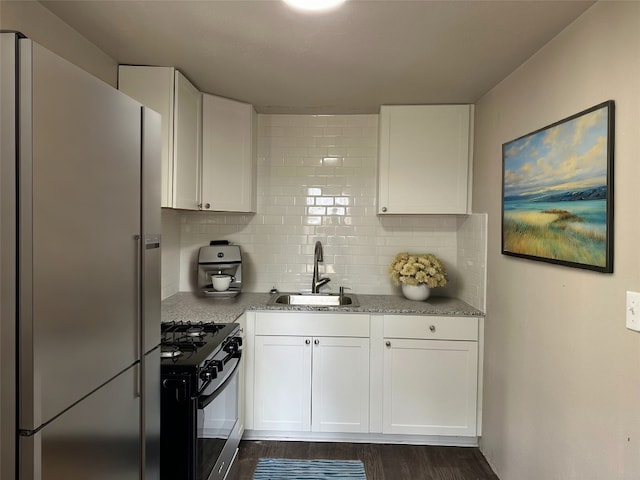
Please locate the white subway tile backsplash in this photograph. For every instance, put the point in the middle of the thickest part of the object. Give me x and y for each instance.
(317, 181)
(472, 259)
(313, 220)
(170, 244)
(316, 211)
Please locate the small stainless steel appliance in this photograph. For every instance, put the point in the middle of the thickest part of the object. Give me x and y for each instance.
(200, 430)
(220, 258)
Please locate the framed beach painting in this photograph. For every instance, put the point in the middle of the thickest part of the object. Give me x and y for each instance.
(557, 192)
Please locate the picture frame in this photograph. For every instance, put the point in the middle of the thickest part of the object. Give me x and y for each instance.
(557, 192)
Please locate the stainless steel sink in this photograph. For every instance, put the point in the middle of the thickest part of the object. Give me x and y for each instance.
(315, 299)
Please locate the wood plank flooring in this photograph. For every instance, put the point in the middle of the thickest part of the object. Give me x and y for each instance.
(381, 462)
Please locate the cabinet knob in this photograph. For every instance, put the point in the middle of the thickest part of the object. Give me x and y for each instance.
(384, 209)
(432, 328)
(307, 342)
(207, 205)
(316, 342)
(387, 343)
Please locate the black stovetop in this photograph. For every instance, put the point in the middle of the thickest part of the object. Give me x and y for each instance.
(187, 344)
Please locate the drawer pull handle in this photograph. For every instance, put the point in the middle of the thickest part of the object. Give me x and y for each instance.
(432, 328)
(388, 343)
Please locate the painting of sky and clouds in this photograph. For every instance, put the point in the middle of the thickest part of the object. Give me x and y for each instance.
(557, 191)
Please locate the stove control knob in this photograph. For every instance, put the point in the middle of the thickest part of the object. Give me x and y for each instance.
(209, 371)
(233, 345)
(217, 365)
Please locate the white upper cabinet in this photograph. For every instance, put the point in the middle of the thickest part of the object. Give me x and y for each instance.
(424, 159)
(167, 91)
(228, 155)
(186, 144)
(208, 142)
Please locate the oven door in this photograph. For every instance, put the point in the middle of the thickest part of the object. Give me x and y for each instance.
(218, 433)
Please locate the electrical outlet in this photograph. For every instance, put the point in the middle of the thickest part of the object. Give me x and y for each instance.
(633, 311)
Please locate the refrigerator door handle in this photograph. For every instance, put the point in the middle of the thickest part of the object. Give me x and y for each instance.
(138, 376)
(137, 381)
(138, 296)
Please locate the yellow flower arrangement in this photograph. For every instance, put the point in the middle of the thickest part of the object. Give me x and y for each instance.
(413, 269)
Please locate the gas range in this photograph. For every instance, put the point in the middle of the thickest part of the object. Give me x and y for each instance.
(200, 430)
(189, 344)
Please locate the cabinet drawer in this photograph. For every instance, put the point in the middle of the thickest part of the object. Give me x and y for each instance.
(313, 324)
(431, 327)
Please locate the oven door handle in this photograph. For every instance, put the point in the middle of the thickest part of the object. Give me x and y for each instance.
(179, 386)
(204, 400)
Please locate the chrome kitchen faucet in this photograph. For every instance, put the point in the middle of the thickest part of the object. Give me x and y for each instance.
(317, 282)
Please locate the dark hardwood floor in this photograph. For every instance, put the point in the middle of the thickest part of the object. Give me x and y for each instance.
(381, 462)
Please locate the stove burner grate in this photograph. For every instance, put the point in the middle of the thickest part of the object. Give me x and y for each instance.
(195, 342)
(184, 343)
(191, 328)
(195, 331)
(174, 352)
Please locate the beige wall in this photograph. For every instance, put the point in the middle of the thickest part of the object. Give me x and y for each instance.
(562, 373)
(43, 27)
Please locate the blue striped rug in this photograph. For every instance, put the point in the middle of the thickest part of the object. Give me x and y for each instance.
(287, 469)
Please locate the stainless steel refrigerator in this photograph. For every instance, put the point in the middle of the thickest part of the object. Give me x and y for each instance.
(80, 277)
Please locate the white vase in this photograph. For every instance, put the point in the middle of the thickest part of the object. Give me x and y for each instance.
(416, 292)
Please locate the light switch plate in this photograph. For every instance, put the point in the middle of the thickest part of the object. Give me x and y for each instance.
(633, 311)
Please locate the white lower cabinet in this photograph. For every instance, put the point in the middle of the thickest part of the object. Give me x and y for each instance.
(437, 394)
(370, 377)
(430, 378)
(305, 382)
(282, 395)
(340, 385)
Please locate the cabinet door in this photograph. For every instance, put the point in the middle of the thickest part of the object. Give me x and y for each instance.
(153, 87)
(430, 387)
(228, 155)
(186, 144)
(282, 394)
(424, 159)
(340, 400)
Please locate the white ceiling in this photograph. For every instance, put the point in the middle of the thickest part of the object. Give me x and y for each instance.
(351, 60)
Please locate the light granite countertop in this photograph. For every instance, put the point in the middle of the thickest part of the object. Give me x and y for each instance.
(194, 307)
